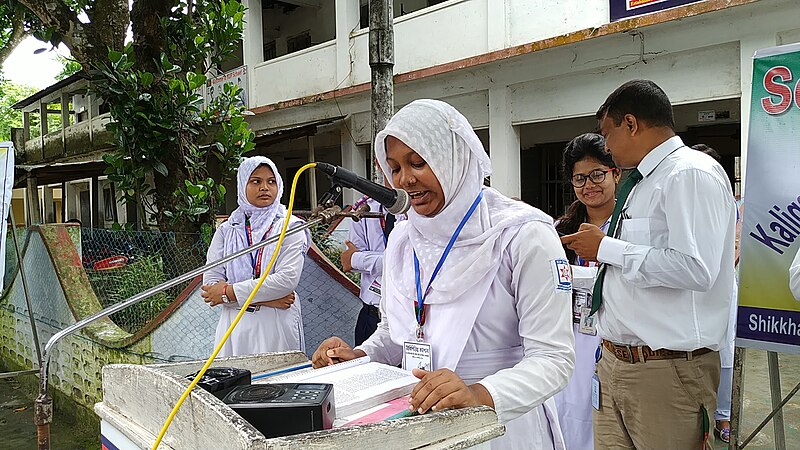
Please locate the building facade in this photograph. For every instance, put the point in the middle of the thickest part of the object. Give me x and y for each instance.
(528, 74)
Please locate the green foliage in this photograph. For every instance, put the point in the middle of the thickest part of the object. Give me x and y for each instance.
(331, 249)
(160, 124)
(120, 284)
(70, 68)
(11, 93)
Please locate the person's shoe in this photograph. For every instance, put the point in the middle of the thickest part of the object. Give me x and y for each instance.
(723, 434)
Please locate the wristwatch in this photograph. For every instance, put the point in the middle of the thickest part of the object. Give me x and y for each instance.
(225, 298)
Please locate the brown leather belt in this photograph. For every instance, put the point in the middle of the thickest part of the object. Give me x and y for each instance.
(643, 353)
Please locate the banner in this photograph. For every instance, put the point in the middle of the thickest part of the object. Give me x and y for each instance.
(769, 316)
(7, 169)
(623, 9)
(237, 76)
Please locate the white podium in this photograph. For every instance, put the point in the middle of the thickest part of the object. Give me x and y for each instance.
(137, 400)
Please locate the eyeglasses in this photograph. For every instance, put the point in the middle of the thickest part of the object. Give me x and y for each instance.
(597, 176)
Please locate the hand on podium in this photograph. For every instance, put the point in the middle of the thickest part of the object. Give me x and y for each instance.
(334, 350)
(443, 389)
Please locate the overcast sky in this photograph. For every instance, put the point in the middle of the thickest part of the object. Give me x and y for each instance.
(25, 67)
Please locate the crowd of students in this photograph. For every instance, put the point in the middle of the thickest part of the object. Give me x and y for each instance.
(630, 356)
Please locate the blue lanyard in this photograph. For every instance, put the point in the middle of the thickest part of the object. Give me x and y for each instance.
(420, 297)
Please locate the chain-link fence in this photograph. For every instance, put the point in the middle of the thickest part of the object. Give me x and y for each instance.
(120, 264)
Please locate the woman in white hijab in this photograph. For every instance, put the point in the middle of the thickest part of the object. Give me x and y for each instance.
(496, 316)
(273, 322)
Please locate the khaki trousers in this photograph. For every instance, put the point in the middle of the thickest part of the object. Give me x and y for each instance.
(655, 404)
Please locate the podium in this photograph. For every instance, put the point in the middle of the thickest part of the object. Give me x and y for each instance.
(138, 398)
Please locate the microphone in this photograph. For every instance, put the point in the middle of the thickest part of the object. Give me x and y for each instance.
(396, 201)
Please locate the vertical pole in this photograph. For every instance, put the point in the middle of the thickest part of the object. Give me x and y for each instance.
(776, 397)
(737, 395)
(381, 61)
(312, 176)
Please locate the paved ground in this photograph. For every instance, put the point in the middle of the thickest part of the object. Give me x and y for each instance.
(757, 400)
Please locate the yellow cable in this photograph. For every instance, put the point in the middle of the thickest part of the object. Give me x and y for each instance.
(241, 311)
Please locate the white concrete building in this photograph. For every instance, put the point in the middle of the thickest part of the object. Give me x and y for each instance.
(528, 74)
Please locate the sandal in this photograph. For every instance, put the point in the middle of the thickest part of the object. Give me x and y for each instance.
(723, 434)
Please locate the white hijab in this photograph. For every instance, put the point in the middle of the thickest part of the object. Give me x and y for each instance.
(446, 141)
(261, 219)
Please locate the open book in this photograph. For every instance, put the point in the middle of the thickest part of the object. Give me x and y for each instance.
(358, 384)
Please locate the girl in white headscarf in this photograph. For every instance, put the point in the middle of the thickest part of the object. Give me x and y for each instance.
(496, 315)
(273, 322)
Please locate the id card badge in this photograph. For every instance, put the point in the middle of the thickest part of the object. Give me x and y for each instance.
(587, 322)
(417, 355)
(375, 288)
(596, 392)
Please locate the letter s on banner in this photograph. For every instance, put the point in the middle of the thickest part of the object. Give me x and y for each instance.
(778, 89)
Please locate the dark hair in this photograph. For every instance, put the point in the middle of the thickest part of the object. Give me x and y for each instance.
(708, 151)
(589, 145)
(641, 98)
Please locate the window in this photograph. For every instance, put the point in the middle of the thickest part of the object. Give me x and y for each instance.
(364, 16)
(544, 187)
(298, 42)
(270, 50)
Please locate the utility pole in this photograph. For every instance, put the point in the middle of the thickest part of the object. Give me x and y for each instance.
(381, 63)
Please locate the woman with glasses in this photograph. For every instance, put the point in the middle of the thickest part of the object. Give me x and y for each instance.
(594, 177)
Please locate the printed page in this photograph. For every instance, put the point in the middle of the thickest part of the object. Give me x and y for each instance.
(356, 385)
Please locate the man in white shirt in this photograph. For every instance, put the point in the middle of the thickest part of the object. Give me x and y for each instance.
(794, 276)
(664, 294)
(364, 254)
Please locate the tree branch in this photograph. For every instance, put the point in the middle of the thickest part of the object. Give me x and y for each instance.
(18, 33)
(88, 42)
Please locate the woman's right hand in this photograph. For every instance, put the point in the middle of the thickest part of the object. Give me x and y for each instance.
(334, 350)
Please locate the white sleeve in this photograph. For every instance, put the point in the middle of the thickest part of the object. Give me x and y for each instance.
(545, 326)
(285, 274)
(794, 276)
(380, 347)
(698, 227)
(215, 252)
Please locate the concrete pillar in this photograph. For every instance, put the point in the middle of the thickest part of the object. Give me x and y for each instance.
(252, 46)
(49, 205)
(26, 126)
(347, 20)
(747, 48)
(32, 201)
(354, 158)
(94, 201)
(504, 144)
(496, 25)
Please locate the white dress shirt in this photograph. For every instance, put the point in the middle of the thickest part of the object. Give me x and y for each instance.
(670, 271)
(794, 276)
(520, 347)
(367, 235)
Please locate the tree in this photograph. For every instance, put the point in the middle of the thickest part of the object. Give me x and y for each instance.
(71, 67)
(11, 93)
(153, 86)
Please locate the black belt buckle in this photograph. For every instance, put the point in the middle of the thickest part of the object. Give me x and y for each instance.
(373, 311)
(253, 308)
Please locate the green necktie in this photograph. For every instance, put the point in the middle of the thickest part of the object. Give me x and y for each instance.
(624, 191)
